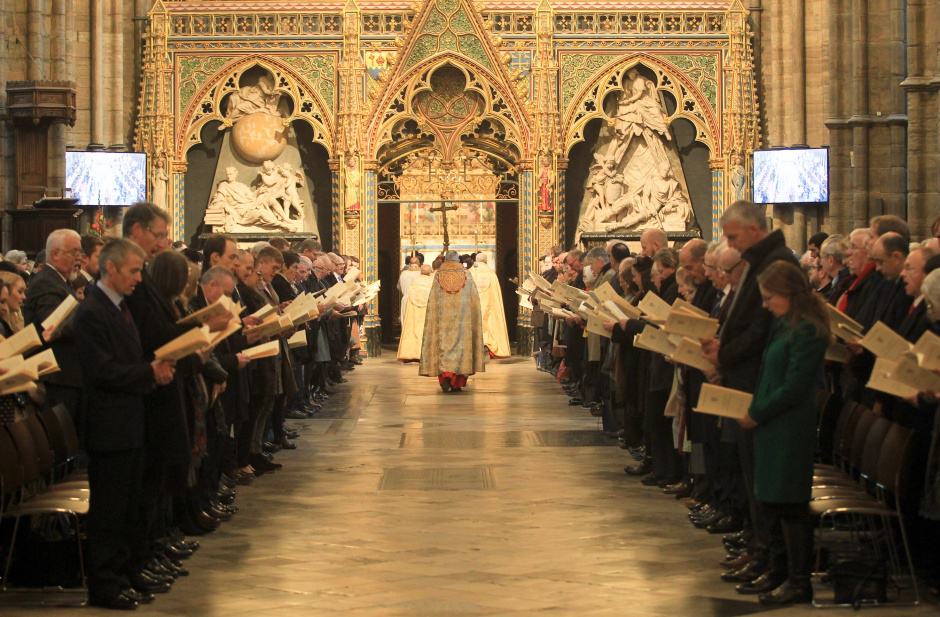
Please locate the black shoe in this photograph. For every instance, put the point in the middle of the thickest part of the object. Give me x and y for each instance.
(287, 444)
(638, 470)
(147, 583)
(787, 593)
(724, 525)
(679, 488)
(748, 573)
(269, 447)
(175, 552)
(291, 434)
(296, 414)
(139, 596)
(651, 480)
(574, 402)
(175, 568)
(122, 601)
(768, 581)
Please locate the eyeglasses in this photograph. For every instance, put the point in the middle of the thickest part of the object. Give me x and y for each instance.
(732, 268)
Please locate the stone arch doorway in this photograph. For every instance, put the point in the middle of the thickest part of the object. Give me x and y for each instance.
(447, 151)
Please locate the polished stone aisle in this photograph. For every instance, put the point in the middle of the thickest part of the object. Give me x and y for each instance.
(500, 500)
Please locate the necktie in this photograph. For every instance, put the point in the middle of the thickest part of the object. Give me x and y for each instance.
(126, 313)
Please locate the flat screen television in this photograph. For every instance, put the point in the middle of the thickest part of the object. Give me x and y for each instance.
(106, 178)
(791, 176)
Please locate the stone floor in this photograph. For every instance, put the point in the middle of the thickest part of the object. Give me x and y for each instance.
(500, 500)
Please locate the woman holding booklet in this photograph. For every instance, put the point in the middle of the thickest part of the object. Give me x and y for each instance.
(783, 417)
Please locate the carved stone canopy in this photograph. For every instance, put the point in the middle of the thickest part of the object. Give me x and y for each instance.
(38, 102)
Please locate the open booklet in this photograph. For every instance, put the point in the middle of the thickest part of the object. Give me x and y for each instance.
(885, 342)
(19, 375)
(302, 309)
(689, 352)
(655, 340)
(685, 323)
(223, 306)
(61, 313)
(23, 341)
(187, 343)
(44, 363)
(725, 402)
(606, 293)
(264, 350)
(927, 351)
(273, 325)
(882, 379)
(297, 340)
(655, 308)
(843, 326)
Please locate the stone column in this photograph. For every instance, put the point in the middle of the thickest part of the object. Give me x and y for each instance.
(118, 139)
(35, 41)
(794, 43)
(60, 71)
(859, 121)
(96, 99)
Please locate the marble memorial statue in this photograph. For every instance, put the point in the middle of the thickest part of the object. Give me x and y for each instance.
(271, 204)
(261, 97)
(634, 182)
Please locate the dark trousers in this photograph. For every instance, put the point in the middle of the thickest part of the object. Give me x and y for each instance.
(746, 459)
(666, 462)
(113, 519)
(787, 531)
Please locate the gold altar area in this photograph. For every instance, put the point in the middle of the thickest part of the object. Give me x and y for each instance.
(550, 121)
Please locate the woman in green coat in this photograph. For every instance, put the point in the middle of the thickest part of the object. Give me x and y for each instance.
(783, 417)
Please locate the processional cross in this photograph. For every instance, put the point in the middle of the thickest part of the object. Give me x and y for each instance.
(444, 209)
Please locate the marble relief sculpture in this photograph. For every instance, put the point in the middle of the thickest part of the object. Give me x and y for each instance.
(634, 183)
(271, 204)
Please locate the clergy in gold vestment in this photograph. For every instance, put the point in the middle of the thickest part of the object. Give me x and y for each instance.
(413, 316)
(452, 348)
(495, 334)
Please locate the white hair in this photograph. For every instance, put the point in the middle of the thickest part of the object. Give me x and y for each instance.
(931, 290)
(306, 261)
(56, 240)
(257, 246)
(16, 257)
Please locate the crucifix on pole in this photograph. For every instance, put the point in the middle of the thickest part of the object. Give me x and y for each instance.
(444, 209)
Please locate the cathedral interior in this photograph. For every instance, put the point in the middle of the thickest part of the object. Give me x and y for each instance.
(386, 128)
(544, 123)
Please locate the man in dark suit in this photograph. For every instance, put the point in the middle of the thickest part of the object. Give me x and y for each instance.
(666, 468)
(740, 348)
(167, 445)
(46, 291)
(117, 378)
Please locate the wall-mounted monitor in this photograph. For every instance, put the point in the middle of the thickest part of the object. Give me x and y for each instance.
(791, 176)
(106, 178)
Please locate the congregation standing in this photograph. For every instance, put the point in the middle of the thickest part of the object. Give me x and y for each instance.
(168, 442)
(757, 481)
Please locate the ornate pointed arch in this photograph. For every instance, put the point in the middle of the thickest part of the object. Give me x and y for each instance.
(687, 85)
(205, 105)
(448, 32)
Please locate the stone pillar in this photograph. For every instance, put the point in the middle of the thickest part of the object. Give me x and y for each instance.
(118, 139)
(58, 49)
(97, 95)
(35, 41)
(859, 120)
(369, 257)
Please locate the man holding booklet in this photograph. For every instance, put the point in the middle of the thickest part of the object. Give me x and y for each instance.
(117, 379)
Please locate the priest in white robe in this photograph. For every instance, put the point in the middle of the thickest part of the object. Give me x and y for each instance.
(408, 276)
(413, 316)
(495, 334)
